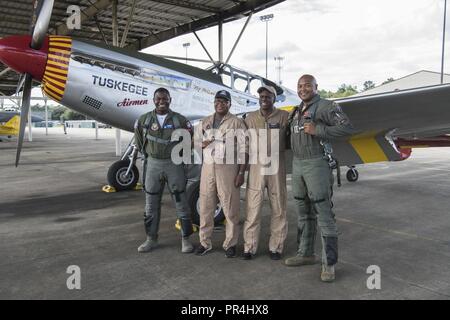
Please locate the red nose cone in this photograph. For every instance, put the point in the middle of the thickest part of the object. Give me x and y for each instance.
(16, 53)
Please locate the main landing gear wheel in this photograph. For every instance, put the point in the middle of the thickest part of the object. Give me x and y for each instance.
(352, 175)
(193, 198)
(118, 178)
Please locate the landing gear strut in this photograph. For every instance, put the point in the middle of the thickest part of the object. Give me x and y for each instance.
(123, 174)
(352, 174)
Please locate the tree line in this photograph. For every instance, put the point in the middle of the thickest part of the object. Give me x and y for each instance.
(59, 112)
(345, 90)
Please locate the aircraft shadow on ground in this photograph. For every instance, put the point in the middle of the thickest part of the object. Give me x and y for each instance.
(67, 204)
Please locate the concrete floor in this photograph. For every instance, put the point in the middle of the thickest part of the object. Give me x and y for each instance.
(53, 214)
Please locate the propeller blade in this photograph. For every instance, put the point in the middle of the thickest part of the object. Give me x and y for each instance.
(42, 22)
(24, 114)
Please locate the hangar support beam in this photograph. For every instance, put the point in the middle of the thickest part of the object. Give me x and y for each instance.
(220, 37)
(242, 9)
(239, 37)
(204, 48)
(130, 18)
(101, 30)
(189, 5)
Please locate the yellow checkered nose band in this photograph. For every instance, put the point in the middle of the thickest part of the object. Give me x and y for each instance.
(55, 75)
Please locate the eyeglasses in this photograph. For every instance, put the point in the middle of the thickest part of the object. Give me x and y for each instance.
(221, 101)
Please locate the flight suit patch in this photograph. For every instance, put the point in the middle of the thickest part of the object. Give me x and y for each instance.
(168, 126)
(274, 126)
(306, 115)
(154, 126)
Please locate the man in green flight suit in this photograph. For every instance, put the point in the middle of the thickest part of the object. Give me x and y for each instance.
(312, 124)
(153, 135)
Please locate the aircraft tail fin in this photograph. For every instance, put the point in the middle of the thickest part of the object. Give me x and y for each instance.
(11, 127)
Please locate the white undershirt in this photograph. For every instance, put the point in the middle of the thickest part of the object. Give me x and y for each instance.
(161, 119)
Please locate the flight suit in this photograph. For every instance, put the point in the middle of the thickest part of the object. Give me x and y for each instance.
(312, 178)
(217, 180)
(155, 143)
(257, 182)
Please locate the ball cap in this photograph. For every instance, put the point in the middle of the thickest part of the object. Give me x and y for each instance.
(223, 94)
(268, 88)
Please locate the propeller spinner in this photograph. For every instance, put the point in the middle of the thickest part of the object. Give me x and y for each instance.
(18, 51)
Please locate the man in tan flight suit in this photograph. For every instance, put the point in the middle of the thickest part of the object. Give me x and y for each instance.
(221, 179)
(267, 120)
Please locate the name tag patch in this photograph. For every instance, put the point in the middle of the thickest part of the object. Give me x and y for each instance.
(274, 126)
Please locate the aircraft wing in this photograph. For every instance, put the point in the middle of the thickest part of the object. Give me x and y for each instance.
(389, 124)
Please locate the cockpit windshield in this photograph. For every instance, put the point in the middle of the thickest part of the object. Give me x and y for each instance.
(243, 81)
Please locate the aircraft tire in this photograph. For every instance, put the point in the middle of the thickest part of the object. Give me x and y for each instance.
(116, 176)
(192, 194)
(352, 175)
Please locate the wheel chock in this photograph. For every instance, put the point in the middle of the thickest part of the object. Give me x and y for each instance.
(108, 189)
(178, 226)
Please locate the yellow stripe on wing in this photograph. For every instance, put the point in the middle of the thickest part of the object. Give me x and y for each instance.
(287, 108)
(368, 148)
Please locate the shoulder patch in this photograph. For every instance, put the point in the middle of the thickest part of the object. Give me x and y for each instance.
(337, 107)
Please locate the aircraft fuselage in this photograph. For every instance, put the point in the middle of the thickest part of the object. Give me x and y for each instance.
(116, 88)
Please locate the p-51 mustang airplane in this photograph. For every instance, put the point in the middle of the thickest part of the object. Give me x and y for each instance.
(116, 86)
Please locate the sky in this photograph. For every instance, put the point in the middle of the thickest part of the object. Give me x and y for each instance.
(345, 41)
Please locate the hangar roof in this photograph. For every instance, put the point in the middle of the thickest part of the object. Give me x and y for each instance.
(422, 78)
(152, 22)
